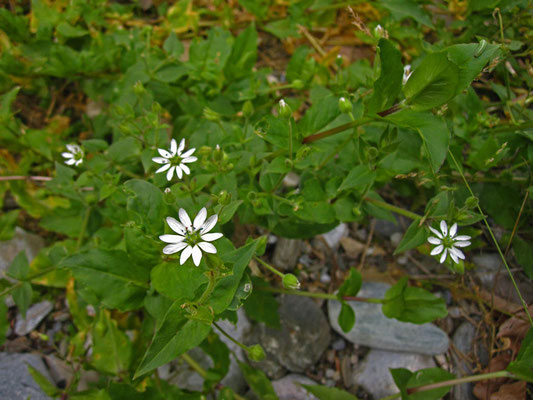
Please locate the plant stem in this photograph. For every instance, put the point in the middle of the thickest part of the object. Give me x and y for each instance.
(83, 228)
(269, 267)
(452, 382)
(210, 287)
(395, 209)
(494, 240)
(23, 178)
(290, 140)
(30, 278)
(242, 346)
(328, 296)
(338, 129)
(194, 365)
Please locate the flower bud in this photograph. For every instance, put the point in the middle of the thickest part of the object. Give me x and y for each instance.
(138, 88)
(290, 282)
(211, 115)
(472, 202)
(339, 61)
(218, 154)
(169, 196)
(224, 198)
(372, 152)
(256, 353)
(298, 84)
(345, 105)
(288, 163)
(248, 109)
(379, 32)
(284, 109)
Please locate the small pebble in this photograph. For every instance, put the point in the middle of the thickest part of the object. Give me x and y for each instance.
(325, 278)
(396, 238)
(402, 260)
(338, 345)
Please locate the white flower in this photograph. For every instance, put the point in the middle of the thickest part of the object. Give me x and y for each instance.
(406, 73)
(193, 237)
(175, 160)
(447, 242)
(74, 156)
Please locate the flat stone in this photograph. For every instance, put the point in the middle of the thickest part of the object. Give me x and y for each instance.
(286, 253)
(34, 316)
(334, 236)
(463, 340)
(15, 380)
(22, 240)
(374, 376)
(386, 228)
(301, 341)
(287, 388)
(374, 330)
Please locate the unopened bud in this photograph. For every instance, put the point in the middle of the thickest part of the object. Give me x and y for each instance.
(379, 32)
(211, 115)
(256, 353)
(290, 282)
(298, 84)
(372, 152)
(472, 202)
(248, 109)
(218, 154)
(169, 196)
(284, 109)
(224, 198)
(345, 105)
(339, 61)
(138, 88)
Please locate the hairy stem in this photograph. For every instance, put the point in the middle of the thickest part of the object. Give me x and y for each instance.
(23, 178)
(242, 346)
(328, 296)
(29, 279)
(269, 267)
(210, 287)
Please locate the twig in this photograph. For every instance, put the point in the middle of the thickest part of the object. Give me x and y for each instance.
(23, 178)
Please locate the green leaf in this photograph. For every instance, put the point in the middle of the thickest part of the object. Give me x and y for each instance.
(110, 275)
(7, 224)
(258, 382)
(412, 304)
(46, 386)
(351, 285)
(146, 205)
(92, 394)
(241, 294)
(274, 130)
(142, 248)
(524, 255)
(413, 237)
(171, 72)
(228, 211)
(358, 178)
(432, 130)
(406, 379)
(262, 306)
(328, 393)
(226, 287)
(346, 317)
(22, 297)
(407, 9)
(112, 348)
(176, 335)
(433, 83)
(523, 364)
(173, 45)
(219, 353)
(4, 322)
(320, 115)
(243, 54)
(68, 31)
(124, 149)
(178, 282)
(389, 84)
(19, 268)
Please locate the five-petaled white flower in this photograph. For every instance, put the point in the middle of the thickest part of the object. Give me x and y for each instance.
(74, 156)
(447, 242)
(175, 159)
(193, 237)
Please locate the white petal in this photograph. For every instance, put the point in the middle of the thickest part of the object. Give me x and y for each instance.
(462, 243)
(444, 227)
(67, 155)
(209, 237)
(200, 218)
(163, 168)
(70, 161)
(457, 252)
(189, 160)
(174, 248)
(176, 226)
(188, 153)
(196, 255)
(434, 240)
(170, 172)
(453, 230)
(173, 147)
(443, 256)
(182, 146)
(462, 237)
(436, 232)
(207, 247)
(164, 153)
(185, 254)
(73, 148)
(172, 238)
(161, 160)
(209, 224)
(179, 172)
(454, 256)
(437, 250)
(79, 161)
(184, 218)
(185, 169)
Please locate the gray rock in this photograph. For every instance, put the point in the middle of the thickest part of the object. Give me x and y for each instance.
(16, 383)
(286, 253)
(386, 228)
(374, 376)
(34, 316)
(182, 375)
(374, 330)
(334, 236)
(22, 240)
(463, 339)
(287, 389)
(302, 339)
(493, 275)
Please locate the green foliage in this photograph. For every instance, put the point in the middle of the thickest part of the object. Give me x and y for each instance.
(406, 379)
(328, 393)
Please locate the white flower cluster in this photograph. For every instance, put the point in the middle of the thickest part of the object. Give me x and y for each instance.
(175, 159)
(74, 155)
(447, 242)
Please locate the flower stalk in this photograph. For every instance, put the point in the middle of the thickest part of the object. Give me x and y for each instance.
(315, 295)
